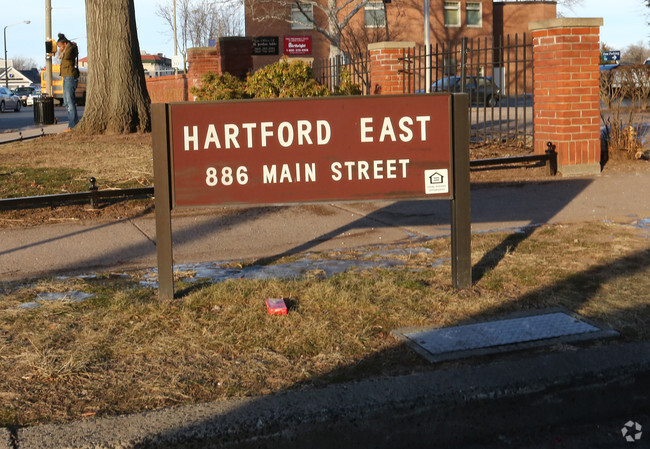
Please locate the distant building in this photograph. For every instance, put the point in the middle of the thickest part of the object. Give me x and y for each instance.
(14, 78)
(153, 65)
(156, 65)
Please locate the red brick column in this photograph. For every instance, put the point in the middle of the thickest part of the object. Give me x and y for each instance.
(386, 67)
(165, 89)
(566, 56)
(202, 60)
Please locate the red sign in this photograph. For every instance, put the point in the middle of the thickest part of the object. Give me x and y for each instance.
(284, 151)
(297, 45)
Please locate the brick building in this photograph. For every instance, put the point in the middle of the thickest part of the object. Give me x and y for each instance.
(282, 29)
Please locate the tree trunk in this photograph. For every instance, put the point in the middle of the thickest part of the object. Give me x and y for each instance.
(117, 100)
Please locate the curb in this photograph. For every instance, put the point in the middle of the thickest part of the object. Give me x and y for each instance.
(424, 410)
(32, 132)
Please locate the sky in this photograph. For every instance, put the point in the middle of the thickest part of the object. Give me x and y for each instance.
(626, 22)
(69, 17)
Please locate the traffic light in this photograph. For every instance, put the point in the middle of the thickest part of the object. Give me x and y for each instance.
(50, 47)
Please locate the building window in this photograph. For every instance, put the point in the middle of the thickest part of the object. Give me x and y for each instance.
(374, 16)
(298, 19)
(474, 14)
(452, 14)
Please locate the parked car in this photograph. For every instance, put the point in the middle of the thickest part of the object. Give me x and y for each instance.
(32, 96)
(481, 89)
(8, 100)
(35, 94)
(23, 93)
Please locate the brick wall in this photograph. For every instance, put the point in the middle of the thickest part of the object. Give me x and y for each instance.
(165, 89)
(386, 67)
(514, 17)
(232, 55)
(566, 91)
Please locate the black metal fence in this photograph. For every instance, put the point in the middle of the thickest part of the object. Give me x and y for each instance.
(329, 71)
(93, 197)
(497, 75)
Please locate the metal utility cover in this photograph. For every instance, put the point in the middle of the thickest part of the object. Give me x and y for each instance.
(541, 328)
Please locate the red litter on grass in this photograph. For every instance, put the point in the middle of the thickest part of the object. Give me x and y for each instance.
(276, 306)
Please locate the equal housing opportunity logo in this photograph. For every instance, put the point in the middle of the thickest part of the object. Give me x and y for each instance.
(632, 431)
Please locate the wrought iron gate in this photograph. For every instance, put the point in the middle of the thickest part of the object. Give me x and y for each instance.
(497, 75)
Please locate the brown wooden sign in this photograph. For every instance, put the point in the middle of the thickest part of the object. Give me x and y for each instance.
(304, 151)
(292, 151)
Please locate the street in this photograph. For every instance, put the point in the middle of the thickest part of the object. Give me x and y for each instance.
(17, 121)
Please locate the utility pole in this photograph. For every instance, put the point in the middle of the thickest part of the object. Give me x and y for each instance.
(48, 57)
(5, 41)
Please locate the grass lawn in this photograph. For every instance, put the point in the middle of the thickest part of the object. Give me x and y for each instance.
(124, 351)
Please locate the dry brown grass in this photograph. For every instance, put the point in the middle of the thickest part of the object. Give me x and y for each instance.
(112, 159)
(124, 351)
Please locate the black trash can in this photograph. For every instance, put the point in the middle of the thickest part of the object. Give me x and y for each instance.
(44, 111)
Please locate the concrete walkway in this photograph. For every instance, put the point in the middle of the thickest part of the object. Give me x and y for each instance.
(32, 131)
(246, 233)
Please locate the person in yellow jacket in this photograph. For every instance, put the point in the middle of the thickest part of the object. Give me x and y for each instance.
(68, 54)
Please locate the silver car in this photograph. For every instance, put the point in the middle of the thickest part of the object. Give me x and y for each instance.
(9, 101)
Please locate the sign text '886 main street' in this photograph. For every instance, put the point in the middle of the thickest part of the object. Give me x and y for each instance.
(261, 152)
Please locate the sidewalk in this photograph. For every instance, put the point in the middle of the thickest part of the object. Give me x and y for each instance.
(32, 131)
(232, 234)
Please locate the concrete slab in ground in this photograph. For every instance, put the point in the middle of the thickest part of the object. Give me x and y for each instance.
(524, 330)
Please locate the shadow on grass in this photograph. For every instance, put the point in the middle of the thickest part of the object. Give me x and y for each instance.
(255, 422)
(493, 204)
(529, 204)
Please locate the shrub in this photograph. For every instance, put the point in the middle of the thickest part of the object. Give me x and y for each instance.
(625, 91)
(284, 79)
(219, 87)
(346, 85)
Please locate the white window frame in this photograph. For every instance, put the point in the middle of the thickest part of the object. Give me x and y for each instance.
(474, 7)
(298, 19)
(377, 7)
(452, 6)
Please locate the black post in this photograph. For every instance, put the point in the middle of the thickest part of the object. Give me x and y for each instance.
(551, 159)
(93, 193)
(461, 222)
(463, 64)
(162, 201)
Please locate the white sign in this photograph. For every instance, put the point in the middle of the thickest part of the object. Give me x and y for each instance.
(177, 62)
(436, 181)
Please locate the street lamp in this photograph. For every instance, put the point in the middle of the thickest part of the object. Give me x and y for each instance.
(5, 36)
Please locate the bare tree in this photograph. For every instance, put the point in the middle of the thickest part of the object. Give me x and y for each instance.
(635, 53)
(570, 4)
(117, 99)
(24, 63)
(198, 21)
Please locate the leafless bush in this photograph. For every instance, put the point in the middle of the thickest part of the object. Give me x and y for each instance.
(625, 91)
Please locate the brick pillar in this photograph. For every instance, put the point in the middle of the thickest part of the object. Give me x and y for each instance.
(200, 61)
(386, 67)
(236, 55)
(566, 56)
